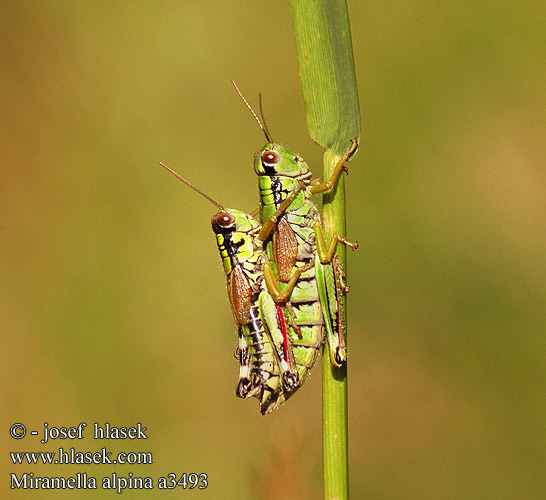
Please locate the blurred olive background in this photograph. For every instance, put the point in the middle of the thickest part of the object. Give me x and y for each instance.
(113, 301)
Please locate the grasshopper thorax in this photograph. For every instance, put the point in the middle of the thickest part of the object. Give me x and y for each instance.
(275, 160)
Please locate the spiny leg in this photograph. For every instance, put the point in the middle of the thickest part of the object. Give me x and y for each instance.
(273, 316)
(291, 377)
(330, 284)
(330, 301)
(340, 273)
(244, 385)
(292, 315)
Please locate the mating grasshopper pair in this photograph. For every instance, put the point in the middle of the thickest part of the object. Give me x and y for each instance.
(284, 283)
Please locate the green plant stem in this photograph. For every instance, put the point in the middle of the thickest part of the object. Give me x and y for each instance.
(334, 380)
(328, 82)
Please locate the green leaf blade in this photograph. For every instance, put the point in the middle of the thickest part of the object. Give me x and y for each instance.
(326, 65)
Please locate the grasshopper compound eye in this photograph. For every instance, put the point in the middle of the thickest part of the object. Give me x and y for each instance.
(270, 158)
(223, 222)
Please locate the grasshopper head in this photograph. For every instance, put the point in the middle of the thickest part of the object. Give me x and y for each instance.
(274, 160)
(230, 220)
(235, 236)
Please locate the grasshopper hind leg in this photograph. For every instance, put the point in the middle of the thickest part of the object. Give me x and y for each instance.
(290, 381)
(340, 350)
(340, 274)
(277, 329)
(331, 304)
(243, 389)
(244, 386)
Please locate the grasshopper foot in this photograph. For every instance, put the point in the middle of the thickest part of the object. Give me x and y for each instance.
(349, 153)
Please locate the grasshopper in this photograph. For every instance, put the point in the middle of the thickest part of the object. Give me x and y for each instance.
(274, 361)
(293, 236)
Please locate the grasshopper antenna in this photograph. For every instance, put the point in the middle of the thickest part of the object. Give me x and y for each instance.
(264, 129)
(188, 183)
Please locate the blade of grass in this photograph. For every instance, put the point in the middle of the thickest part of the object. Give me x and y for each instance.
(328, 81)
(326, 67)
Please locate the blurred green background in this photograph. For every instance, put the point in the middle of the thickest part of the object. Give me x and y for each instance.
(113, 301)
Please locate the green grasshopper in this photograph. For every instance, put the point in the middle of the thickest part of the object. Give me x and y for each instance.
(294, 237)
(259, 323)
(274, 361)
